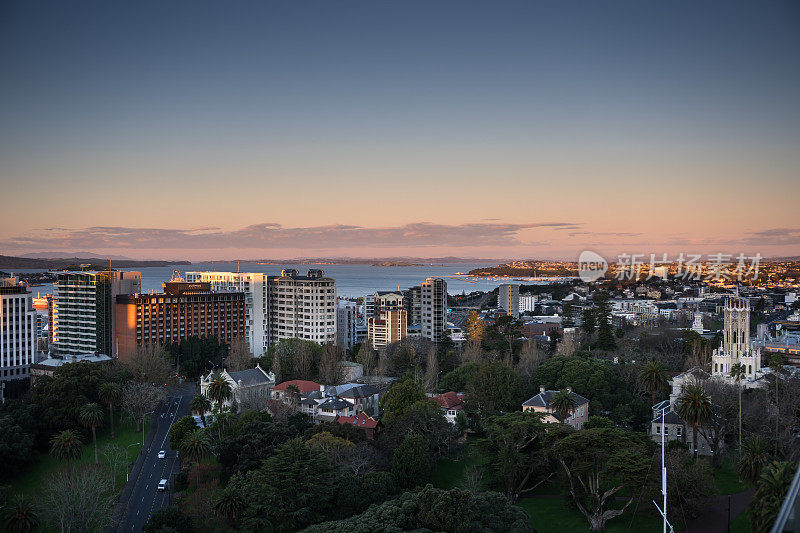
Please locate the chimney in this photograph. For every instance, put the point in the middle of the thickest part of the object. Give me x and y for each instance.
(541, 388)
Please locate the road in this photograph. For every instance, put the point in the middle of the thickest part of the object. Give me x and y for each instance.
(145, 499)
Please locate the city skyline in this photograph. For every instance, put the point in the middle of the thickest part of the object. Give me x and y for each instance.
(193, 131)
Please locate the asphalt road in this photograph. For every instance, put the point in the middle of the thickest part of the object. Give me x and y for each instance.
(145, 498)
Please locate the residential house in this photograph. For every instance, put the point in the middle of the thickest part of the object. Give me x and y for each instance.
(541, 404)
(361, 421)
(451, 404)
(251, 386)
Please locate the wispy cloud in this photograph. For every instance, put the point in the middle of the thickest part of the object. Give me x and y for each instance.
(272, 235)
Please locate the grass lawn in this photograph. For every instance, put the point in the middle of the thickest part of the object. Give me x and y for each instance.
(551, 514)
(727, 480)
(33, 480)
(449, 472)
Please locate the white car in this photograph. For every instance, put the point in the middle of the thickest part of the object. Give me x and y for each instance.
(162, 485)
(162, 454)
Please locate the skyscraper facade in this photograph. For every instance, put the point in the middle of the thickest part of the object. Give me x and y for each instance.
(17, 329)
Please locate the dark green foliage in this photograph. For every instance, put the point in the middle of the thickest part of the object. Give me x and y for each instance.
(458, 379)
(19, 429)
(399, 399)
(495, 388)
(192, 354)
(770, 492)
(61, 395)
(299, 359)
(431, 509)
(601, 383)
(169, 517)
(411, 465)
(423, 418)
(180, 429)
(690, 483)
(290, 490)
(589, 322)
(605, 334)
(252, 438)
(515, 446)
(344, 431)
(596, 421)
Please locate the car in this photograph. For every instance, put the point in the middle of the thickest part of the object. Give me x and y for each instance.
(162, 454)
(162, 485)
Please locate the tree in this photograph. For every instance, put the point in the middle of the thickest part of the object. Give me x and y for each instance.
(91, 416)
(110, 394)
(21, 516)
(563, 403)
(529, 360)
(474, 327)
(432, 509)
(66, 446)
(200, 406)
(82, 502)
(149, 363)
(181, 429)
(432, 370)
(411, 465)
(599, 463)
(195, 447)
(399, 399)
(424, 418)
(290, 490)
(367, 357)
(511, 329)
(495, 388)
(770, 492)
(114, 457)
(588, 325)
(168, 519)
(754, 455)
(139, 399)
(690, 483)
(738, 373)
(60, 396)
(605, 335)
(229, 504)
(330, 365)
(515, 446)
(219, 389)
(653, 379)
(240, 357)
(694, 406)
(20, 428)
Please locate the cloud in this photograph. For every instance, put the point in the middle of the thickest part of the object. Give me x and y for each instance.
(272, 235)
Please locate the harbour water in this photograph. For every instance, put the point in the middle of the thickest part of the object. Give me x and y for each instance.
(351, 280)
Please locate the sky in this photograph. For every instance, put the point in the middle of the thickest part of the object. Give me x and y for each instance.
(533, 129)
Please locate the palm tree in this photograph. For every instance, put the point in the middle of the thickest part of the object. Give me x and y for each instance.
(654, 379)
(20, 516)
(91, 416)
(109, 394)
(196, 447)
(229, 503)
(219, 389)
(738, 373)
(563, 403)
(770, 493)
(66, 446)
(200, 406)
(755, 454)
(694, 406)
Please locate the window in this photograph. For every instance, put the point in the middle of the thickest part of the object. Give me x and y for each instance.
(678, 431)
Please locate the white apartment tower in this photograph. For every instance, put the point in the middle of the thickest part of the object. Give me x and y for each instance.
(255, 287)
(17, 330)
(527, 303)
(736, 346)
(433, 309)
(508, 299)
(302, 307)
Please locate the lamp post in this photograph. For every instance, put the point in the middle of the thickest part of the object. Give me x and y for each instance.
(127, 462)
(663, 511)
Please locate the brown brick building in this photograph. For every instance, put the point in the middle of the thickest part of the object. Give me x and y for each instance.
(182, 310)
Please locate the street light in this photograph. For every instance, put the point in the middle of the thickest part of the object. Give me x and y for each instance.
(127, 462)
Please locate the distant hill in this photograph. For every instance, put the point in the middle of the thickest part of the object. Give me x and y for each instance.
(69, 255)
(11, 262)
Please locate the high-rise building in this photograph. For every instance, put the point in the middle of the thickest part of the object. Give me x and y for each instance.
(367, 308)
(302, 307)
(527, 303)
(17, 329)
(736, 345)
(183, 310)
(346, 322)
(508, 299)
(413, 302)
(255, 286)
(389, 321)
(83, 310)
(433, 309)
